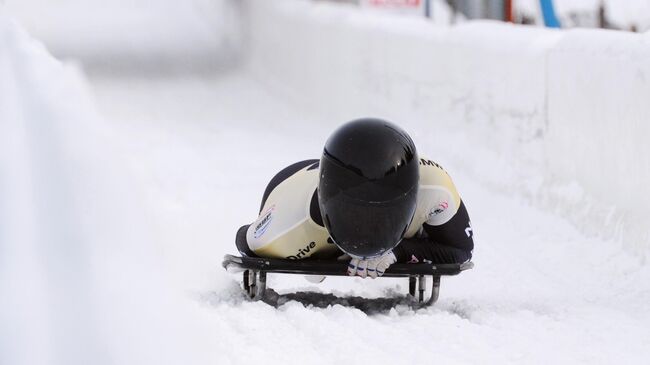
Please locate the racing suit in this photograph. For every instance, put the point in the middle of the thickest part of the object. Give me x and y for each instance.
(290, 224)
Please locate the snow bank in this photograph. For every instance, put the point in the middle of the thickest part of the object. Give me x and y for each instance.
(598, 91)
(80, 281)
(136, 36)
(560, 112)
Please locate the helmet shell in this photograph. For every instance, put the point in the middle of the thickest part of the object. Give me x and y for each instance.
(368, 186)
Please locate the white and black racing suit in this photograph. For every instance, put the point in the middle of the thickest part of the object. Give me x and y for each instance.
(290, 223)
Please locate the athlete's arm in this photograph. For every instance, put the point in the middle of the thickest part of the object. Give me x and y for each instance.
(447, 243)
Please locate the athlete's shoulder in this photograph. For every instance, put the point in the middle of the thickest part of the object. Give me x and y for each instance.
(438, 198)
(432, 173)
(426, 162)
(285, 174)
(286, 222)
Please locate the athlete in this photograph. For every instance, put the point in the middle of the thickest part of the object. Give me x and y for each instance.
(371, 197)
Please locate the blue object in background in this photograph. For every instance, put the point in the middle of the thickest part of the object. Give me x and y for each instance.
(550, 20)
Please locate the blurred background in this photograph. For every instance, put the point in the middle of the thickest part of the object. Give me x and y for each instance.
(210, 33)
(610, 14)
(152, 37)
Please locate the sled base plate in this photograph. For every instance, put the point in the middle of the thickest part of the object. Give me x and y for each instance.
(254, 270)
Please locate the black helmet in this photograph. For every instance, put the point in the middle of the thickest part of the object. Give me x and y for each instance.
(368, 186)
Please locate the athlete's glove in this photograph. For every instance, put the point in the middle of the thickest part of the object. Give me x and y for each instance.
(371, 267)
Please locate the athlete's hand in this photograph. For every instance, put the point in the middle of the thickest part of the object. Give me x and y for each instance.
(371, 267)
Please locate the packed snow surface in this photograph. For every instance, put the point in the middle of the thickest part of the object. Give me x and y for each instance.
(541, 291)
(121, 195)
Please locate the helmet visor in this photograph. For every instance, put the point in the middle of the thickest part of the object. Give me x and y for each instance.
(367, 229)
(382, 186)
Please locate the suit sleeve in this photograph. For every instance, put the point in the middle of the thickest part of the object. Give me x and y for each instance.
(451, 242)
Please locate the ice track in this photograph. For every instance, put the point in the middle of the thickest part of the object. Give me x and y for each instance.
(203, 148)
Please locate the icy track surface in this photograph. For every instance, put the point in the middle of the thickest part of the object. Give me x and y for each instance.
(202, 150)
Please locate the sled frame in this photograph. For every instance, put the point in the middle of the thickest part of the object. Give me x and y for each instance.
(254, 271)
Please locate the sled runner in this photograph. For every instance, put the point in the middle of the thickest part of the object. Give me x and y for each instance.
(254, 271)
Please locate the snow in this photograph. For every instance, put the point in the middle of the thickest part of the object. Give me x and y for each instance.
(80, 278)
(121, 194)
(141, 36)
